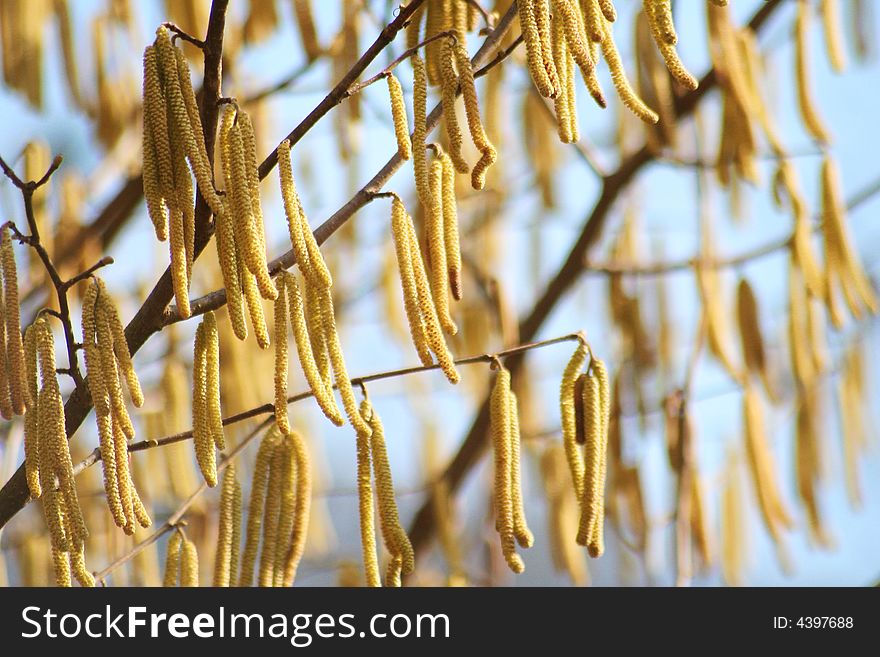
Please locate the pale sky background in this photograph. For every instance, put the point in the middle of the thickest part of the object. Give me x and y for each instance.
(665, 194)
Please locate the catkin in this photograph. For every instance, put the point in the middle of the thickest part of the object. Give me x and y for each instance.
(301, 509)
(593, 441)
(750, 332)
(281, 323)
(400, 221)
(207, 416)
(271, 516)
(398, 114)
(449, 80)
(833, 34)
(659, 14)
(189, 564)
(301, 331)
(259, 486)
(436, 237)
(488, 154)
(172, 560)
(18, 391)
(305, 21)
(393, 534)
(809, 113)
(452, 243)
(618, 77)
(226, 528)
(365, 506)
(521, 530)
(568, 416)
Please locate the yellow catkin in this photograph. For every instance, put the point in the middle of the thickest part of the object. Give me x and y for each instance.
(286, 509)
(398, 114)
(659, 13)
(833, 34)
(5, 399)
(18, 391)
(590, 499)
(202, 440)
(235, 135)
(809, 114)
(433, 333)
(235, 549)
(334, 348)
(259, 486)
(488, 154)
(271, 516)
(172, 560)
(839, 251)
(281, 323)
(305, 21)
(110, 368)
(255, 308)
(450, 228)
(521, 530)
(596, 546)
(801, 239)
(189, 564)
(449, 80)
(436, 237)
(301, 510)
(212, 380)
(500, 422)
(393, 534)
(315, 317)
(365, 507)
(229, 267)
(534, 51)
(223, 556)
(562, 102)
(120, 346)
(305, 247)
(569, 419)
(574, 36)
(419, 135)
(618, 76)
(762, 466)
(400, 221)
(157, 168)
(301, 333)
(31, 418)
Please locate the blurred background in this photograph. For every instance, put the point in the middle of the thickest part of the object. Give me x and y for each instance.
(515, 235)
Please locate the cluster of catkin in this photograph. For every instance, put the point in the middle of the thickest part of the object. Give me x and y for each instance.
(14, 394)
(278, 511)
(426, 300)
(371, 450)
(510, 517)
(47, 458)
(241, 239)
(108, 360)
(181, 561)
(584, 401)
(174, 144)
(310, 311)
(563, 34)
(207, 418)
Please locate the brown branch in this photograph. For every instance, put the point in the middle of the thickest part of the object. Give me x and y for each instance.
(474, 444)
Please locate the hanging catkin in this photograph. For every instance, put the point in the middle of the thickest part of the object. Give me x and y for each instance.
(567, 404)
(398, 114)
(618, 77)
(256, 506)
(809, 113)
(47, 458)
(534, 21)
(365, 507)
(14, 394)
(207, 419)
(751, 338)
(436, 238)
(659, 14)
(301, 509)
(833, 34)
(228, 529)
(108, 357)
(393, 534)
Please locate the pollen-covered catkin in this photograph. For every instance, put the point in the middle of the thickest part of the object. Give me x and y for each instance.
(301, 510)
(618, 76)
(281, 323)
(18, 391)
(500, 422)
(521, 530)
(437, 250)
(450, 228)
(305, 247)
(227, 257)
(488, 154)
(569, 419)
(173, 559)
(400, 221)
(596, 545)
(271, 515)
(448, 95)
(301, 332)
(365, 507)
(157, 168)
(398, 115)
(225, 528)
(534, 50)
(189, 564)
(393, 534)
(659, 14)
(259, 486)
(590, 499)
(202, 439)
